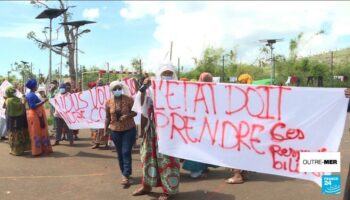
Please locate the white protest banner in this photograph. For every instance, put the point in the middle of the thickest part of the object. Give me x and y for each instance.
(255, 128)
(84, 109)
(131, 85)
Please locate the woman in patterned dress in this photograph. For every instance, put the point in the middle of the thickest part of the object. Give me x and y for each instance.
(17, 123)
(158, 170)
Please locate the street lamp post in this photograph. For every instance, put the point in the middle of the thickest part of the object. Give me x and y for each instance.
(76, 25)
(50, 13)
(223, 68)
(61, 45)
(269, 43)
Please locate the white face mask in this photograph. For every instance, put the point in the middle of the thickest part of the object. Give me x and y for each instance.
(62, 90)
(167, 78)
(117, 93)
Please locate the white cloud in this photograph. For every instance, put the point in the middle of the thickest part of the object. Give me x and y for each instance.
(20, 30)
(91, 13)
(192, 26)
(139, 9)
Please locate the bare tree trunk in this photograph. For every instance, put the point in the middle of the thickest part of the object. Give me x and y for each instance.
(69, 34)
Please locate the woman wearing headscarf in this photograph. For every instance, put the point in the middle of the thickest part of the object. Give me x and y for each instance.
(37, 122)
(159, 170)
(120, 122)
(17, 126)
(198, 169)
(245, 79)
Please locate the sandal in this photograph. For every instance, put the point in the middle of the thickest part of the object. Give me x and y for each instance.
(163, 197)
(125, 181)
(234, 181)
(141, 191)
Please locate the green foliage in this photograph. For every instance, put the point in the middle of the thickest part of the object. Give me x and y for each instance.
(50, 121)
(136, 64)
(211, 61)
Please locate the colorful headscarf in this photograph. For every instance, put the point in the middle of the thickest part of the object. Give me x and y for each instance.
(10, 92)
(31, 84)
(14, 106)
(245, 79)
(91, 85)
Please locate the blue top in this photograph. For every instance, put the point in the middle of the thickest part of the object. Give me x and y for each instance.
(32, 100)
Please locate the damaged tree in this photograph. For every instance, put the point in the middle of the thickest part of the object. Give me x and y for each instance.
(68, 33)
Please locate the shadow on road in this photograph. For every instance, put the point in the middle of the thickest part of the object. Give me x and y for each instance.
(197, 195)
(93, 155)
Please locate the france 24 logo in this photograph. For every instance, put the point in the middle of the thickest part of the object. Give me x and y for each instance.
(331, 184)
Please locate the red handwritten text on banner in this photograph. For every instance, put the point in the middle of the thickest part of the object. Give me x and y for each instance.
(256, 128)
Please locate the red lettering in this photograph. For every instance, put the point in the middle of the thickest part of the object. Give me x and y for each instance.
(254, 140)
(290, 162)
(224, 124)
(185, 127)
(155, 105)
(206, 125)
(83, 101)
(169, 94)
(240, 136)
(267, 91)
(262, 102)
(230, 99)
(156, 117)
(200, 97)
(290, 134)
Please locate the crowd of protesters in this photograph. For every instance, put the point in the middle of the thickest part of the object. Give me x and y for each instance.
(26, 127)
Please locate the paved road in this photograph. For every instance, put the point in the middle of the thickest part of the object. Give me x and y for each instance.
(80, 172)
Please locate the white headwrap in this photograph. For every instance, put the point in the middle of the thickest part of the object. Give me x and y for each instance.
(121, 84)
(166, 67)
(143, 109)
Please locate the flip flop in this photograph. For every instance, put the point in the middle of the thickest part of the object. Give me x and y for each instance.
(233, 181)
(125, 181)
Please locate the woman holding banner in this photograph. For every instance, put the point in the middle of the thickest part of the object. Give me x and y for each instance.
(120, 121)
(198, 169)
(37, 122)
(60, 123)
(17, 126)
(158, 169)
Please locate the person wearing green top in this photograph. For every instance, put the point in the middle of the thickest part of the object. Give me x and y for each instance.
(17, 126)
(52, 94)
